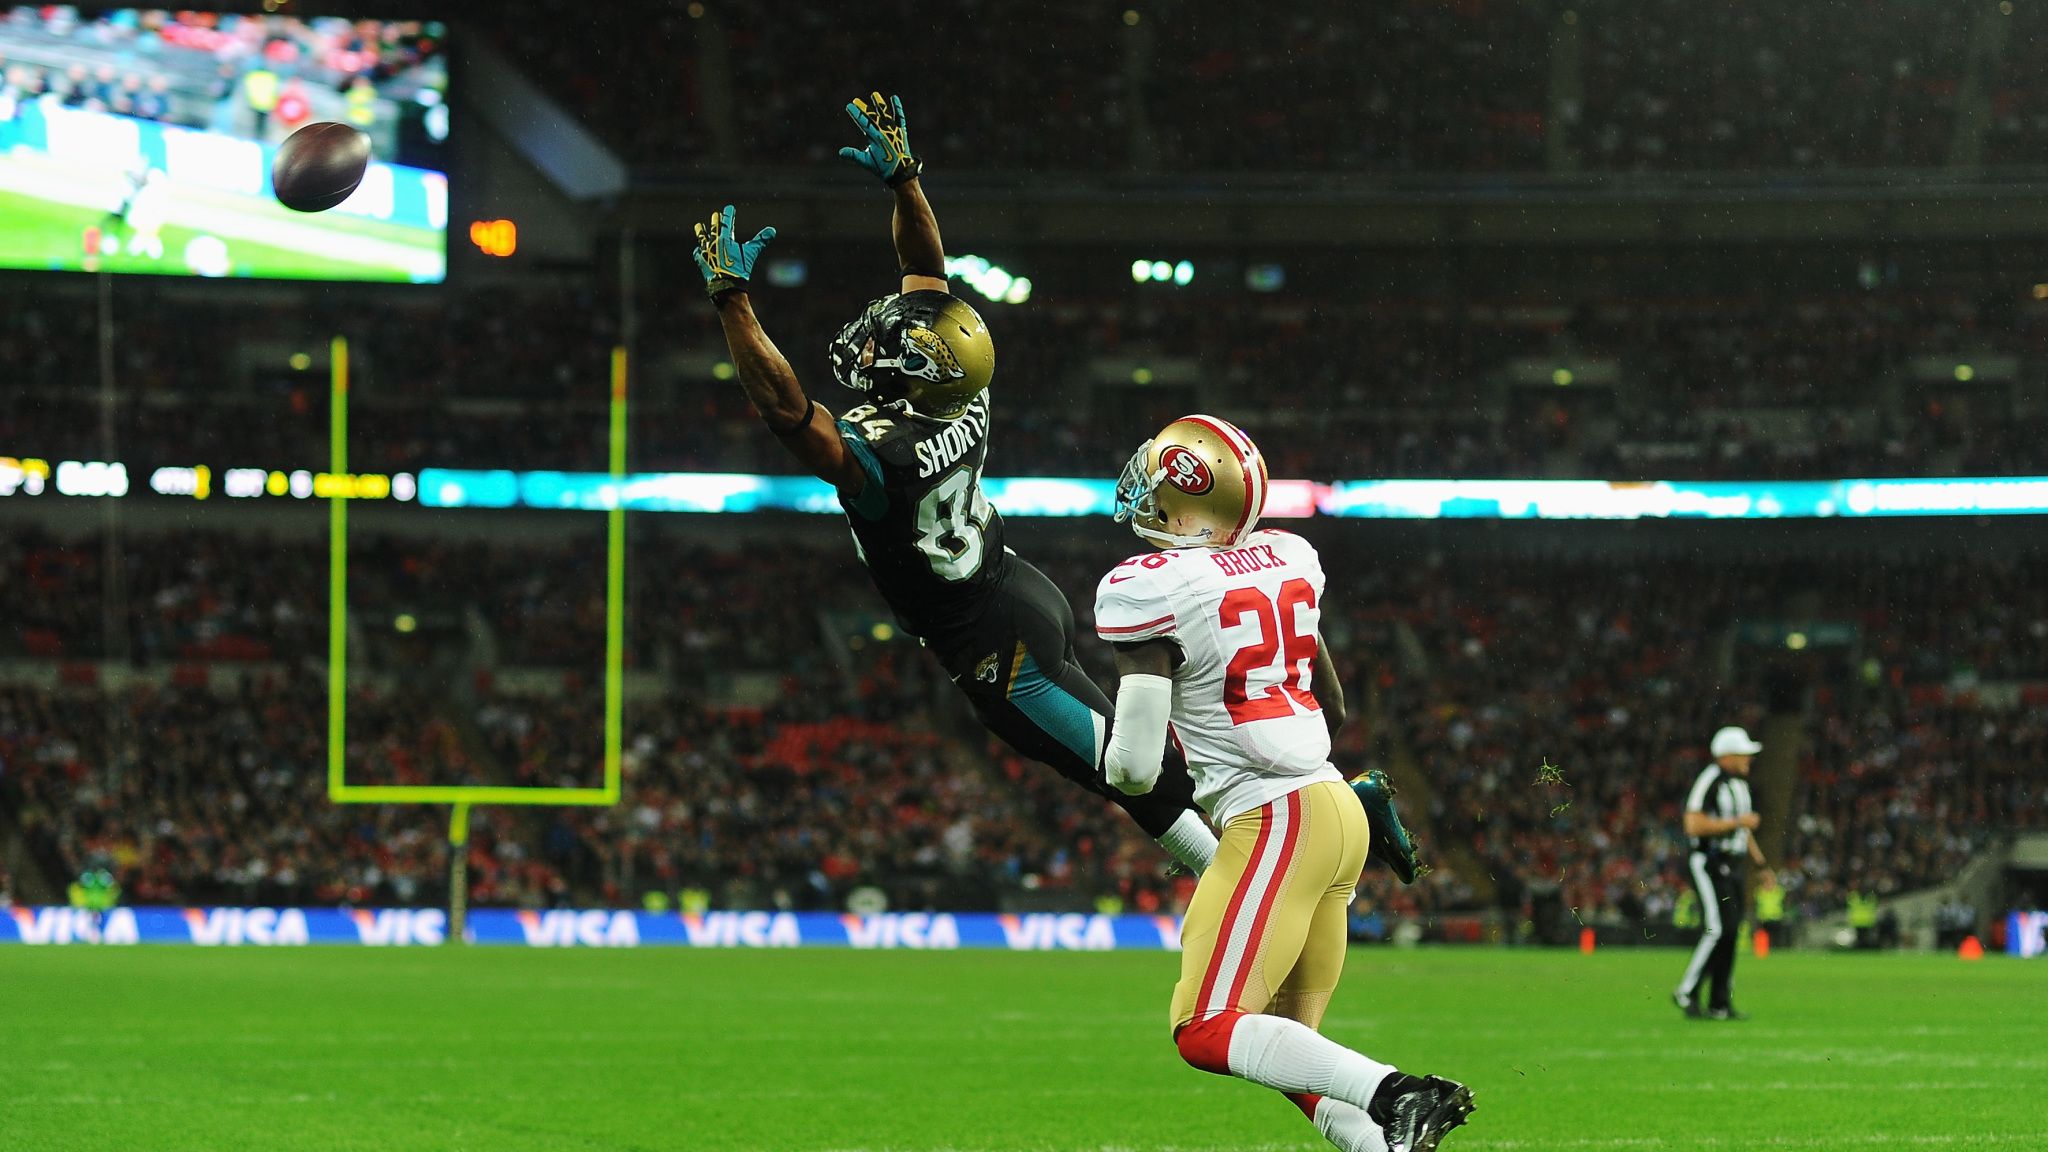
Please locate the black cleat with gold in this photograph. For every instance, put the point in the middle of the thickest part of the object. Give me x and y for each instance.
(1418, 1119)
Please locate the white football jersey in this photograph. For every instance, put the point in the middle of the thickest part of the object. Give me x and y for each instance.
(1245, 619)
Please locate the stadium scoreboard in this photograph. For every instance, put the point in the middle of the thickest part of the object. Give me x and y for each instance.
(141, 140)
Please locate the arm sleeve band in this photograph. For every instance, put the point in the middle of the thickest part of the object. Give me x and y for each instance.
(1137, 741)
(801, 423)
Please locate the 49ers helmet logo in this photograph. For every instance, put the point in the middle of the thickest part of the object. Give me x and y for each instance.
(1186, 471)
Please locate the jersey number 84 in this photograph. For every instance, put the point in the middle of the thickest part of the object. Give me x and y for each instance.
(950, 522)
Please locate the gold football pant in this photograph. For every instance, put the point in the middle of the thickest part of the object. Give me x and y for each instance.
(1266, 930)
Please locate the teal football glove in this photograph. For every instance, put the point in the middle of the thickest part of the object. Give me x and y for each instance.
(727, 264)
(887, 153)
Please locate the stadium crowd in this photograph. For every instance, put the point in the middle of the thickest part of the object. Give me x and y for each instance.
(1554, 710)
(849, 775)
(1699, 387)
(1480, 86)
(191, 795)
(1671, 85)
(254, 77)
(1562, 725)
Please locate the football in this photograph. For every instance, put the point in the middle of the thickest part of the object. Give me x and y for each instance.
(319, 166)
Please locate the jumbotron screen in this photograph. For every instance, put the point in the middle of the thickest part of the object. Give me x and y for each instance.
(140, 140)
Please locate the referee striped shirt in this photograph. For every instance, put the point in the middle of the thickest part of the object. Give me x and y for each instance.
(1725, 796)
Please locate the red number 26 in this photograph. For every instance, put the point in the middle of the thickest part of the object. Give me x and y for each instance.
(1276, 628)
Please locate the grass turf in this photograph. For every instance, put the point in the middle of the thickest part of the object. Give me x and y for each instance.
(39, 235)
(489, 1049)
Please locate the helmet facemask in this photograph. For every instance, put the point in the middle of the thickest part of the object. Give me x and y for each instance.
(1137, 503)
(894, 351)
(855, 349)
(1137, 490)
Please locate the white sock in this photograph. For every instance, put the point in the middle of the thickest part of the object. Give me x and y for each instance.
(1349, 1128)
(1293, 1057)
(1190, 841)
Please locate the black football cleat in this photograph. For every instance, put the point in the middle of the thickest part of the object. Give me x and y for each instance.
(1418, 1120)
(1728, 1013)
(1689, 1005)
(1391, 844)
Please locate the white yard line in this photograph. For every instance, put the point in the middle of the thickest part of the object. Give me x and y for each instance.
(1867, 1139)
(1467, 1139)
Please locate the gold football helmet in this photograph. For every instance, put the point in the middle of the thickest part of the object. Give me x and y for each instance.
(928, 348)
(1201, 481)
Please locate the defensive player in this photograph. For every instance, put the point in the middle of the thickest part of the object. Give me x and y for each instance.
(1217, 636)
(907, 466)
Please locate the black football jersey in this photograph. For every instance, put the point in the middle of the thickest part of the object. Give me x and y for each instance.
(929, 537)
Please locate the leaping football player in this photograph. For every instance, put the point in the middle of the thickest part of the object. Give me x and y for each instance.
(1219, 648)
(907, 466)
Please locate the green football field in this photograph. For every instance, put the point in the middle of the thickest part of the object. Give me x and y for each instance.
(41, 234)
(486, 1049)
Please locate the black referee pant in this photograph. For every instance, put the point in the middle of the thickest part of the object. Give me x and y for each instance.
(1718, 880)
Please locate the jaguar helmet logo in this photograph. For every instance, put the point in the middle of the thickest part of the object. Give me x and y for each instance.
(926, 356)
(1186, 471)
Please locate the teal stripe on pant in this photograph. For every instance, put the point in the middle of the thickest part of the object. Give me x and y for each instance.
(1055, 710)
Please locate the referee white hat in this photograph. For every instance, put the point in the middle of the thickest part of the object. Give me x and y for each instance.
(1733, 741)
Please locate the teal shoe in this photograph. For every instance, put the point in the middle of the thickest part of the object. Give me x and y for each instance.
(1391, 844)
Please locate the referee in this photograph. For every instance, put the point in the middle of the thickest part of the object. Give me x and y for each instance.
(1719, 819)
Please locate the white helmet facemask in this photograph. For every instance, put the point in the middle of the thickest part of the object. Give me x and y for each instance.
(1137, 501)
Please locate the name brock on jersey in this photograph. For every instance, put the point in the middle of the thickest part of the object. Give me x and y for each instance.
(1248, 559)
(938, 453)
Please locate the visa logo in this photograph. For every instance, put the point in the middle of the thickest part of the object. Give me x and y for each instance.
(232, 926)
(593, 929)
(74, 926)
(1047, 931)
(742, 930)
(390, 927)
(902, 930)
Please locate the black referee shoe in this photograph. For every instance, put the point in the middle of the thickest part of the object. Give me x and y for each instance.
(1417, 1120)
(1689, 1005)
(1728, 1013)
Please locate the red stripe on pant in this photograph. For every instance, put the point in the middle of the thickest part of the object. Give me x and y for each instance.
(1273, 888)
(1244, 883)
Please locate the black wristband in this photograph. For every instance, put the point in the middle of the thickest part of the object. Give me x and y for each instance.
(719, 287)
(803, 422)
(909, 170)
(908, 270)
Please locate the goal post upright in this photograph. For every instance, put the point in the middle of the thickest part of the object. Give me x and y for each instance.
(337, 567)
(458, 873)
(462, 797)
(615, 584)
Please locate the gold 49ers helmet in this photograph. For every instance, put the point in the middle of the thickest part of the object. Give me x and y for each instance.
(1201, 481)
(928, 348)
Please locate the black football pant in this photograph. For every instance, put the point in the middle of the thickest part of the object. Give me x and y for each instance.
(1016, 665)
(1719, 884)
